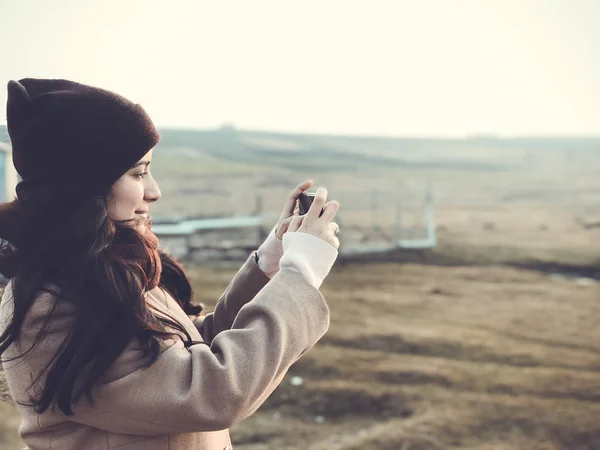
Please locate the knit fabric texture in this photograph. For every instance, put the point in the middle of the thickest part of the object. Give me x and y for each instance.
(71, 141)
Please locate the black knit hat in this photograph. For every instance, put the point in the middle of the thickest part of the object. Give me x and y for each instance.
(71, 141)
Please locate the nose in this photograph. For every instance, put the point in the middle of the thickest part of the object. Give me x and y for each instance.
(151, 191)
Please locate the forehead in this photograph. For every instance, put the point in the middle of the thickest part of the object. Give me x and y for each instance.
(147, 156)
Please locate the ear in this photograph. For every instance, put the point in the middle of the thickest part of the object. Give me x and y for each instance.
(19, 103)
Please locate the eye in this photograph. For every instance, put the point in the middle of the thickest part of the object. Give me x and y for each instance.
(140, 175)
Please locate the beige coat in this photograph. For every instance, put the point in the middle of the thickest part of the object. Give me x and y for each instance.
(190, 397)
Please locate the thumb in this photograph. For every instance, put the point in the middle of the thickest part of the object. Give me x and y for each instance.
(285, 225)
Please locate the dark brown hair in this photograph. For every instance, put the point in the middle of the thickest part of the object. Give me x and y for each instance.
(76, 247)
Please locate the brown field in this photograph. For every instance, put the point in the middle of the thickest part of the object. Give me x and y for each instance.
(425, 357)
(462, 351)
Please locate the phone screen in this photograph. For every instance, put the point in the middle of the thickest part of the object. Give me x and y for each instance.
(304, 202)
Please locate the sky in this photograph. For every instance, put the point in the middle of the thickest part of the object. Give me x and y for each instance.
(403, 68)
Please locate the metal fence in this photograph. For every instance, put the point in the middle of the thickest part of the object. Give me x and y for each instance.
(365, 230)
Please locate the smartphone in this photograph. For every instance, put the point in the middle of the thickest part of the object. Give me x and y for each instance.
(305, 200)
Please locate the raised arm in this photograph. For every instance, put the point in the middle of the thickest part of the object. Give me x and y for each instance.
(203, 388)
(249, 280)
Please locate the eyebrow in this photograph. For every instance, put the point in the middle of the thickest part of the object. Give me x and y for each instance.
(141, 163)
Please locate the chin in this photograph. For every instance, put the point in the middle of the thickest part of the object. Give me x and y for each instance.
(144, 226)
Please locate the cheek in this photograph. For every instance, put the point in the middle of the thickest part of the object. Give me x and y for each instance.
(126, 196)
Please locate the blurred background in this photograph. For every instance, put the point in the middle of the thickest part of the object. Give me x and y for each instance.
(462, 140)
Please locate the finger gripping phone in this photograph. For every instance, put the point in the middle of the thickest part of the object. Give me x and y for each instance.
(305, 200)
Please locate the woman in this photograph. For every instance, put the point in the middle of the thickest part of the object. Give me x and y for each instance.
(100, 341)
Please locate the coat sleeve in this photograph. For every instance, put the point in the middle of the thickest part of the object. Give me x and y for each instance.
(249, 280)
(206, 387)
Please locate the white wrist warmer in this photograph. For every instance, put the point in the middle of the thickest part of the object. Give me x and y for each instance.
(308, 254)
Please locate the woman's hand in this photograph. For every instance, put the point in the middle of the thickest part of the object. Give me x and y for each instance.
(290, 211)
(311, 223)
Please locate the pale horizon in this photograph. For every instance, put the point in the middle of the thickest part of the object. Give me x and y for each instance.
(434, 69)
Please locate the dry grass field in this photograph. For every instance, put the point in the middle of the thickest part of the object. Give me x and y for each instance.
(425, 357)
(469, 349)
(422, 357)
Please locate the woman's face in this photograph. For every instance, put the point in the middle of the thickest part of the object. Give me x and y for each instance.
(130, 196)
